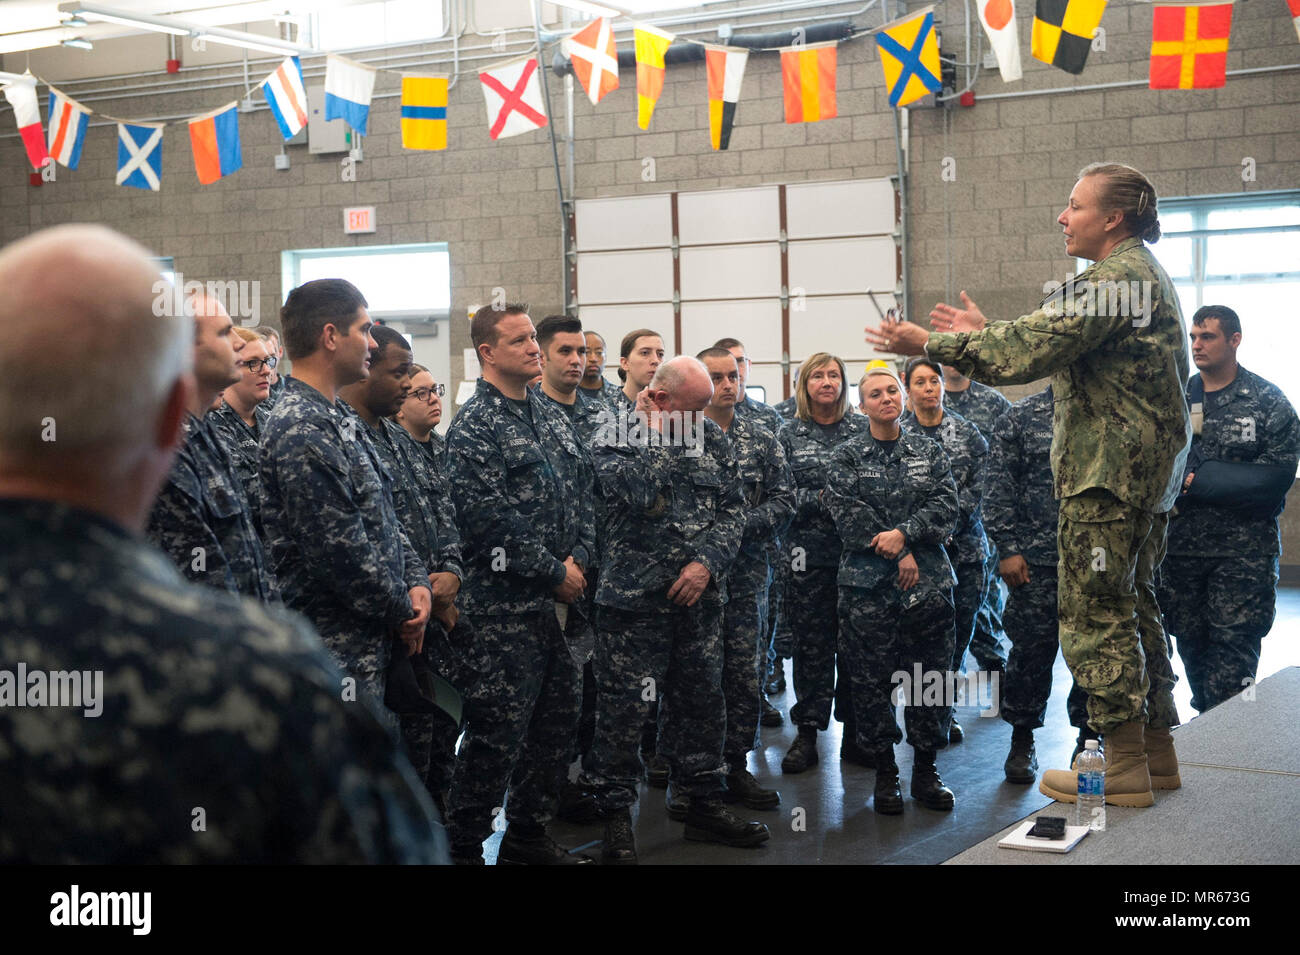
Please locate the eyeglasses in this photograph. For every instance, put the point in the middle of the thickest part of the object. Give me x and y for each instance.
(255, 365)
(424, 394)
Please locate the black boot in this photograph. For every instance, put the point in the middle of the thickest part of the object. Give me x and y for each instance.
(771, 715)
(743, 787)
(776, 678)
(803, 753)
(851, 752)
(523, 845)
(1022, 761)
(927, 788)
(677, 803)
(888, 799)
(710, 821)
(576, 804)
(656, 771)
(620, 845)
(955, 733)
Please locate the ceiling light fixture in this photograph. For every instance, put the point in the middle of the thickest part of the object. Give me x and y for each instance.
(78, 43)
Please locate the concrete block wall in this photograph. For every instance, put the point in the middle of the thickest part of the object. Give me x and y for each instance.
(991, 230)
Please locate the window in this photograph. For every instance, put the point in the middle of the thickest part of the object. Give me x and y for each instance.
(1242, 252)
(375, 24)
(402, 281)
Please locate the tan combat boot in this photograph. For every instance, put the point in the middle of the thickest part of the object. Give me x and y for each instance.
(1162, 761)
(1128, 781)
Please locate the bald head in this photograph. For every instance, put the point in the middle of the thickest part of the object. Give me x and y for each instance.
(687, 383)
(89, 356)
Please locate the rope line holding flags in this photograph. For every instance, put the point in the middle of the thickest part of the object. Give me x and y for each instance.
(1188, 49)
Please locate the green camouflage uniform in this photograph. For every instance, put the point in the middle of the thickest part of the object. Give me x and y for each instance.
(1121, 433)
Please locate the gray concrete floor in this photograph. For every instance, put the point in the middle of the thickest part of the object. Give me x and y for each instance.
(831, 800)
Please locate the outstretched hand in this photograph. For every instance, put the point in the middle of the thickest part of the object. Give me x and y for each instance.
(897, 335)
(946, 318)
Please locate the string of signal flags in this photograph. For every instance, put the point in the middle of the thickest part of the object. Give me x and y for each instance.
(1189, 46)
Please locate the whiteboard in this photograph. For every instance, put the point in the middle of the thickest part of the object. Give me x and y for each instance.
(731, 271)
(645, 276)
(857, 207)
(612, 322)
(756, 322)
(623, 222)
(835, 325)
(729, 215)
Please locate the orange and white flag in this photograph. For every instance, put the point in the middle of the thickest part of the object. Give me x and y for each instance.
(725, 69)
(651, 43)
(594, 58)
(999, 19)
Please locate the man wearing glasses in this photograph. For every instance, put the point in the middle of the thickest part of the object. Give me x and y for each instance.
(238, 420)
(421, 411)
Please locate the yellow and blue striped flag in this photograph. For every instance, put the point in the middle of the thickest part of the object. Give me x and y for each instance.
(424, 112)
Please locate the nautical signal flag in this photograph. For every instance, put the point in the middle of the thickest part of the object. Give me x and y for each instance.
(139, 155)
(1189, 46)
(909, 53)
(999, 19)
(66, 131)
(595, 60)
(424, 112)
(725, 67)
(650, 44)
(808, 78)
(1062, 32)
(514, 98)
(349, 86)
(21, 95)
(214, 138)
(287, 97)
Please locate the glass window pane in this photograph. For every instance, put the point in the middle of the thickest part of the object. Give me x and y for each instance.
(396, 281)
(1270, 337)
(1175, 222)
(1264, 254)
(346, 28)
(1253, 217)
(1176, 256)
(1186, 299)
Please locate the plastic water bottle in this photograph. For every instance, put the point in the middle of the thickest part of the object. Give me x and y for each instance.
(1090, 806)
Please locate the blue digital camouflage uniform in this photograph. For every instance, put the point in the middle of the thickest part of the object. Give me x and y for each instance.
(202, 520)
(208, 703)
(968, 548)
(1219, 580)
(781, 639)
(982, 406)
(339, 551)
(765, 414)
(523, 490)
(241, 442)
(768, 489)
(422, 501)
(1020, 515)
(787, 408)
(1121, 431)
(668, 505)
(885, 630)
(436, 447)
(812, 547)
(277, 389)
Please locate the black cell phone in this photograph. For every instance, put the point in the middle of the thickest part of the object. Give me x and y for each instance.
(1048, 827)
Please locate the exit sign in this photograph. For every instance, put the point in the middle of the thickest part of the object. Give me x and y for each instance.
(359, 219)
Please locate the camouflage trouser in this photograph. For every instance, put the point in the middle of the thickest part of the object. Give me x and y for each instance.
(521, 713)
(810, 604)
(431, 738)
(1111, 633)
(364, 657)
(878, 640)
(1218, 609)
(674, 658)
(782, 640)
(1034, 629)
(744, 664)
(986, 645)
(968, 597)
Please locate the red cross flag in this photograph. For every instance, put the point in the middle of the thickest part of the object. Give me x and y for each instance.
(514, 98)
(594, 58)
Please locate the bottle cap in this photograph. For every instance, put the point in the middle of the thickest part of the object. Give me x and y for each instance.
(1090, 744)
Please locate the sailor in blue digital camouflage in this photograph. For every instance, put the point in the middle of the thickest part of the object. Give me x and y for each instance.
(161, 722)
(339, 551)
(982, 406)
(968, 456)
(767, 487)
(1219, 581)
(786, 407)
(812, 547)
(202, 518)
(675, 521)
(1114, 343)
(640, 355)
(422, 501)
(420, 414)
(747, 407)
(523, 488)
(241, 416)
(782, 641)
(275, 346)
(1020, 515)
(894, 501)
(594, 384)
